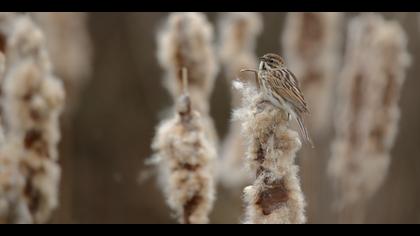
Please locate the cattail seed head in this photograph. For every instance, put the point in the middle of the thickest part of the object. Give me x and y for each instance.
(31, 105)
(311, 43)
(275, 196)
(185, 157)
(367, 110)
(69, 46)
(238, 37)
(186, 41)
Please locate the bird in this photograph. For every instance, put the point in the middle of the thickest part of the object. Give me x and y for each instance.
(281, 87)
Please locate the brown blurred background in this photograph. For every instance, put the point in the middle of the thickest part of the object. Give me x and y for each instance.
(106, 142)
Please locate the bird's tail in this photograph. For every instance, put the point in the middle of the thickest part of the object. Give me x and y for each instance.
(304, 134)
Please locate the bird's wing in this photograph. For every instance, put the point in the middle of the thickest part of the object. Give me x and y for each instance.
(287, 86)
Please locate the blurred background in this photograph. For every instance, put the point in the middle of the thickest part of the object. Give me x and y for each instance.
(107, 138)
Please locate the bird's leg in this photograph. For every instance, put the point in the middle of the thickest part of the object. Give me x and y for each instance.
(288, 116)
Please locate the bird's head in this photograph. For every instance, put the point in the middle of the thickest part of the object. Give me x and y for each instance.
(271, 61)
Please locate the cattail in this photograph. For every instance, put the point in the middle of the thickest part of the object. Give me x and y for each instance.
(68, 43)
(12, 205)
(239, 32)
(311, 43)
(186, 156)
(31, 104)
(2, 60)
(2, 68)
(186, 41)
(186, 144)
(367, 109)
(275, 196)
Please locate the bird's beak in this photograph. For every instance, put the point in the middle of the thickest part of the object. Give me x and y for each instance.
(261, 58)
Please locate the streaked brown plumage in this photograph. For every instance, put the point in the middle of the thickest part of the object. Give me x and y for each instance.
(281, 88)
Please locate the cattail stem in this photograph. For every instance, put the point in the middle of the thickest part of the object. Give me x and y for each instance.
(184, 81)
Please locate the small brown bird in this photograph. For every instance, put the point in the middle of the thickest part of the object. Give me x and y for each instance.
(281, 88)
